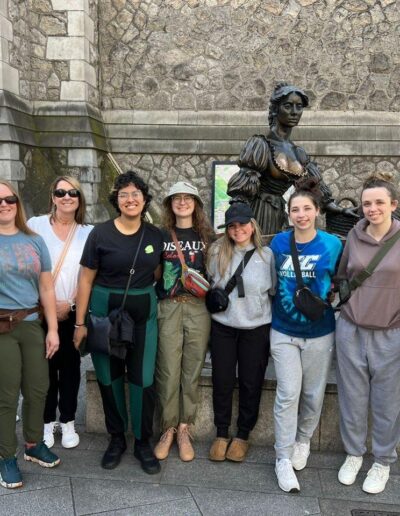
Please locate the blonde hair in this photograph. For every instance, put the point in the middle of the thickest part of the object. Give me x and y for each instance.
(222, 249)
(80, 212)
(20, 217)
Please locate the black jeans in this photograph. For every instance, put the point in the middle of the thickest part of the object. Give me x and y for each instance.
(65, 376)
(249, 349)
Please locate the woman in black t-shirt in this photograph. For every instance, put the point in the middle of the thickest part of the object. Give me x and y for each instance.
(106, 263)
(183, 320)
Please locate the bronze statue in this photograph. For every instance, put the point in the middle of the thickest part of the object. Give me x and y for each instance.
(271, 164)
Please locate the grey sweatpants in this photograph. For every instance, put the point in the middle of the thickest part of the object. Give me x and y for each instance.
(368, 374)
(301, 367)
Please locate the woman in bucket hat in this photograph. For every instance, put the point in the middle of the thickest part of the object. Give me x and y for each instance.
(184, 323)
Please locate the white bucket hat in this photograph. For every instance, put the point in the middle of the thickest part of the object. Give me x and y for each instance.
(182, 187)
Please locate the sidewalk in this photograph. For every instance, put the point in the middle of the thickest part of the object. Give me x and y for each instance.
(79, 486)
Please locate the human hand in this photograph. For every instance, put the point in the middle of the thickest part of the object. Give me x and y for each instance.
(351, 212)
(79, 334)
(52, 343)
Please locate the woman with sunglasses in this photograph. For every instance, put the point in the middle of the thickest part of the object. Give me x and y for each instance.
(25, 281)
(64, 232)
(106, 265)
(183, 319)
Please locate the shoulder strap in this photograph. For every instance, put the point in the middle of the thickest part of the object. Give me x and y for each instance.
(369, 269)
(132, 269)
(238, 273)
(178, 250)
(64, 251)
(295, 260)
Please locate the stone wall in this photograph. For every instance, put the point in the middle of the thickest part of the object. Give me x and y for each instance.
(228, 54)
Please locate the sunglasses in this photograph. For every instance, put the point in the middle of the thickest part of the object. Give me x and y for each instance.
(60, 193)
(10, 199)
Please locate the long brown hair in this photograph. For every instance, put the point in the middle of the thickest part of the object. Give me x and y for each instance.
(80, 213)
(20, 217)
(200, 221)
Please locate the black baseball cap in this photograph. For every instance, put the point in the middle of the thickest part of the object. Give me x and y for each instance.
(237, 212)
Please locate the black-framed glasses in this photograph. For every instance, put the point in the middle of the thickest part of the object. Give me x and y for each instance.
(10, 199)
(60, 193)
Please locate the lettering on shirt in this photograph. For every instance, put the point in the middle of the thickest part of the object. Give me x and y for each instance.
(307, 263)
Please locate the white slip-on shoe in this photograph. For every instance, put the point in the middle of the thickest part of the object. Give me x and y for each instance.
(48, 433)
(287, 479)
(70, 439)
(376, 479)
(348, 472)
(301, 452)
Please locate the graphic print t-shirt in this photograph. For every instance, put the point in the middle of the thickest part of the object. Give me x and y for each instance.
(192, 247)
(318, 261)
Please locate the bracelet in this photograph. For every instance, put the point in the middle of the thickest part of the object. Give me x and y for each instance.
(79, 325)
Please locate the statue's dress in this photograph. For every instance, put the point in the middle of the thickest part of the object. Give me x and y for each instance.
(269, 166)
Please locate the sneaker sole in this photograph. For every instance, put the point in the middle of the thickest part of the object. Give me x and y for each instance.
(73, 445)
(13, 485)
(292, 490)
(299, 468)
(41, 462)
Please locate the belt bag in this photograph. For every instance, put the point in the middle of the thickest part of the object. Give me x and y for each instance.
(10, 318)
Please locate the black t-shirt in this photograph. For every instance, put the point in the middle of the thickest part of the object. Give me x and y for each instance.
(111, 253)
(192, 247)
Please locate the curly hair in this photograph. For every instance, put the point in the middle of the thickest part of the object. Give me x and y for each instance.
(122, 181)
(282, 90)
(201, 224)
(307, 187)
(381, 180)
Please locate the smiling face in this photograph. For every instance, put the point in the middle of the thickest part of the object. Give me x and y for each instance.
(65, 206)
(183, 205)
(131, 201)
(8, 212)
(290, 110)
(240, 233)
(377, 205)
(303, 213)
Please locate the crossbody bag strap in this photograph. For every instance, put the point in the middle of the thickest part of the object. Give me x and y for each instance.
(235, 279)
(132, 269)
(179, 250)
(64, 251)
(295, 260)
(369, 269)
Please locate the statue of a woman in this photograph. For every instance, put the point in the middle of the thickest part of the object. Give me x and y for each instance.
(270, 165)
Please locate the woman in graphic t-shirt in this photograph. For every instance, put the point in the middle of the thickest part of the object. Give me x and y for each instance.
(184, 322)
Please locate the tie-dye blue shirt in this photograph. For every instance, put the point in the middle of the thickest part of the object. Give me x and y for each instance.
(318, 261)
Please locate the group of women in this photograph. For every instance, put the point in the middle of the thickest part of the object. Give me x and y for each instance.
(72, 269)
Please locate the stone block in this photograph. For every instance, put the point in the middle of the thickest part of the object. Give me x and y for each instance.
(4, 52)
(83, 71)
(4, 8)
(6, 28)
(71, 5)
(9, 151)
(74, 90)
(67, 48)
(91, 192)
(12, 170)
(82, 158)
(9, 78)
(80, 24)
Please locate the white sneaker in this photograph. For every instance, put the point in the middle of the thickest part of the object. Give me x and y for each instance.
(348, 472)
(48, 433)
(287, 479)
(376, 479)
(70, 438)
(301, 452)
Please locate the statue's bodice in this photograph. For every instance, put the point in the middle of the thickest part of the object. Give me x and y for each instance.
(286, 159)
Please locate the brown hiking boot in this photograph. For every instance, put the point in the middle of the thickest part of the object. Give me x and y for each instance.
(218, 449)
(186, 451)
(163, 446)
(237, 450)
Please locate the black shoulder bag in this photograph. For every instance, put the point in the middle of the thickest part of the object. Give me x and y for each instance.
(110, 335)
(217, 298)
(308, 303)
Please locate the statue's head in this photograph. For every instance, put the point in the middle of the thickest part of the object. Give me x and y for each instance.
(282, 92)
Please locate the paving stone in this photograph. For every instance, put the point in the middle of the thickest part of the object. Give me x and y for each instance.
(186, 507)
(34, 482)
(92, 496)
(335, 507)
(224, 502)
(55, 500)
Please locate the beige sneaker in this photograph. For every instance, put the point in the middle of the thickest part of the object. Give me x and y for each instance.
(237, 450)
(163, 446)
(218, 449)
(186, 451)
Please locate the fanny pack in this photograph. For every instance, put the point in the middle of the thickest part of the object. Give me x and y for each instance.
(10, 318)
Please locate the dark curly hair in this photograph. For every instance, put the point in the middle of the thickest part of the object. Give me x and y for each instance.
(307, 187)
(122, 181)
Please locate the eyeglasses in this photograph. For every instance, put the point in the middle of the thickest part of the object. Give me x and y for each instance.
(60, 193)
(10, 199)
(184, 198)
(137, 194)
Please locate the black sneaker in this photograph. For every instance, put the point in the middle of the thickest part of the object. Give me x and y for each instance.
(42, 455)
(10, 475)
(148, 460)
(112, 456)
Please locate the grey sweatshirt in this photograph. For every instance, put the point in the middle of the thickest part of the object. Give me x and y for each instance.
(259, 279)
(376, 303)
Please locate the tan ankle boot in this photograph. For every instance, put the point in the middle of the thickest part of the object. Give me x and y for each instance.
(237, 450)
(163, 446)
(218, 449)
(186, 451)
